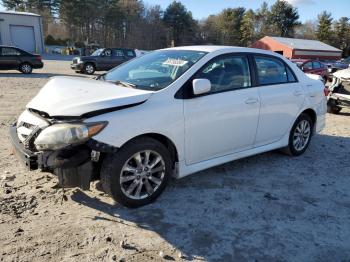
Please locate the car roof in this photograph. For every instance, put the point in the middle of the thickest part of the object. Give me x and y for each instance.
(217, 48)
(9, 46)
(300, 60)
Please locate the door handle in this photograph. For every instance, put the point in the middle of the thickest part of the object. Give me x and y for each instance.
(298, 93)
(251, 101)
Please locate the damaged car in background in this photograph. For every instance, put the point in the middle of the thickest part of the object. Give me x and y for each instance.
(172, 112)
(339, 92)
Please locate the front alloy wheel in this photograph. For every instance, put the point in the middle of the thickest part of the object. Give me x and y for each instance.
(138, 173)
(142, 174)
(89, 69)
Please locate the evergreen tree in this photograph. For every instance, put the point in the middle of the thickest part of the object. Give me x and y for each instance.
(229, 23)
(179, 21)
(262, 26)
(342, 33)
(247, 28)
(324, 27)
(283, 18)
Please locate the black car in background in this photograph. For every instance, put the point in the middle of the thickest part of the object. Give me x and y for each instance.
(18, 59)
(102, 60)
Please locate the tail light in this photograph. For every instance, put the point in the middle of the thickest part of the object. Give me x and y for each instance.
(326, 91)
(38, 58)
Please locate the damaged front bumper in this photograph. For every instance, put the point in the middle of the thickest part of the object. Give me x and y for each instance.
(75, 166)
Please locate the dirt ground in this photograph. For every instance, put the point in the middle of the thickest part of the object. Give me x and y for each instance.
(269, 207)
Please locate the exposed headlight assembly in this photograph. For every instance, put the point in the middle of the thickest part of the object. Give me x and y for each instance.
(62, 135)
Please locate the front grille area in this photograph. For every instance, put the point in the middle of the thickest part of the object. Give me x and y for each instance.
(24, 130)
(27, 125)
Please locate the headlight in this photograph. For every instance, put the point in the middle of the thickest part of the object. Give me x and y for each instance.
(61, 135)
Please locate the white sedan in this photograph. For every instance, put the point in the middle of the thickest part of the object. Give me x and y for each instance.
(171, 112)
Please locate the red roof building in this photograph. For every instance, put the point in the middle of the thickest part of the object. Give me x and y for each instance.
(293, 48)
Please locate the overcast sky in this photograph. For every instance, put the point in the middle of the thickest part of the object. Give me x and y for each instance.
(308, 9)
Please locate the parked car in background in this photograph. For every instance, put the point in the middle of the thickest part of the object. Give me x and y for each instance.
(333, 65)
(171, 112)
(313, 67)
(346, 61)
(102, 59)
(339, 92)
(13, 58)
(57, 51)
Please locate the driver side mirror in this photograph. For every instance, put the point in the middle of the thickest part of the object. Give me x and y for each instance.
(201, 86)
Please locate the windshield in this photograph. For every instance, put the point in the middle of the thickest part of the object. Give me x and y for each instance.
(156, 70)
(97, 52)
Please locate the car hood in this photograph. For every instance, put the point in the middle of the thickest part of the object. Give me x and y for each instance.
(343, 74)
(75, 97)
(87, 57)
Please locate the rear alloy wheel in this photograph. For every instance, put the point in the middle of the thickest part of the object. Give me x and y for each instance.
(89, 69)
(300, 135)
(25, 68)
(138, 173)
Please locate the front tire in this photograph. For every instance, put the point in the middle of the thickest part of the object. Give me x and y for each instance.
(300, 135)
(26, 68)
(138, 173)
(89, 68)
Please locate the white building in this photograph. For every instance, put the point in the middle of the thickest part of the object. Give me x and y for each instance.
(23, 30)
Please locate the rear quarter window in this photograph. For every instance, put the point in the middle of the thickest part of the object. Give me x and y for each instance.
(130, 53)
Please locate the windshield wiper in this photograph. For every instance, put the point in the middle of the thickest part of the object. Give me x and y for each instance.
(100, 77)
(126, 84)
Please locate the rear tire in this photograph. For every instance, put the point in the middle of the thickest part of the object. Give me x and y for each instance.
(300, 136)
(129, 175)
(26, 68)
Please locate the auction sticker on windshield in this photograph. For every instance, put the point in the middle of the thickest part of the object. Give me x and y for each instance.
(175, 62)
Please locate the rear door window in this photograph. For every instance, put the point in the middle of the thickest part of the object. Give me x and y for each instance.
(270, 70)
(118, 53)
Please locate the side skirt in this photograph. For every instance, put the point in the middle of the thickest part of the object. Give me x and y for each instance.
(185, 170)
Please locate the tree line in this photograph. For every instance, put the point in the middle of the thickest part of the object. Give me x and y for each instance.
(134, 24)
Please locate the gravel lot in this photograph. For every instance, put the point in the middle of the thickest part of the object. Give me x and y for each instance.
(269, 207)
